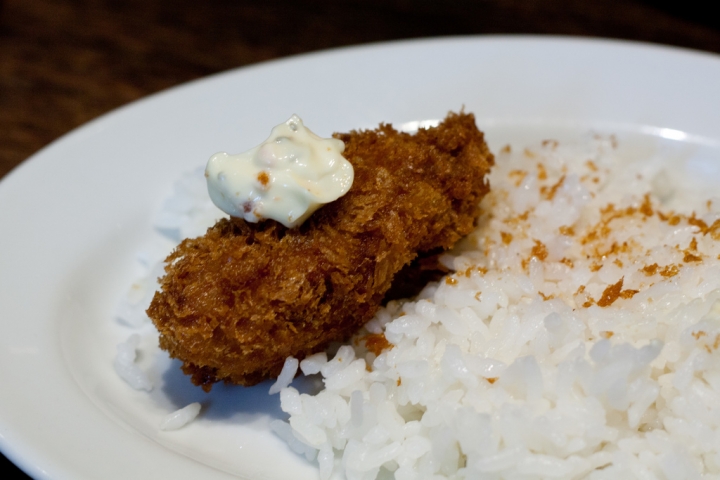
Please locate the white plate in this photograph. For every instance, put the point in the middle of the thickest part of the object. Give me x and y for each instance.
(74, 215)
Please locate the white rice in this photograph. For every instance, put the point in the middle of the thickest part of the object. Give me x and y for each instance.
(180, 418)
(533, 360)
(125, 366)
(187, 212)
(286, 375)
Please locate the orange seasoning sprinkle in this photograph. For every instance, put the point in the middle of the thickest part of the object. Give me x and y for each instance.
(628, 293)
(613, 250)
(689, 257)
(698, 222)
(550, 193)
(646, 207)
(611, 293)
(376, 343)
(629, 211)
(492, 380)
(590, 237)
(546, 297)
(591, 165)
(714, 230)
(669, 271)
(607, 334)
(566, 230)
(539, 250)
(451, 280)
(263, 178)
(650, 269)
(690, 252)
(567, 262)
(698, 334)
(506, 237)
(589, 301)
(506, 149)
(518, 175)
(399, 381)
(542, 172)
(608, 209)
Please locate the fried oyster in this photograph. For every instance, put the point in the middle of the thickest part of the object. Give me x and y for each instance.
(239, 300)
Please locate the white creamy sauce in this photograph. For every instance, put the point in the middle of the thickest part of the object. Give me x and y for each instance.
(286, 178)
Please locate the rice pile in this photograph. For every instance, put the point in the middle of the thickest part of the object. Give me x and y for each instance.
(578, 338)
(187, 212)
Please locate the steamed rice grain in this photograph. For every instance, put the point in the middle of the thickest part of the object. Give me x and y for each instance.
(126, 368)
(181, 417)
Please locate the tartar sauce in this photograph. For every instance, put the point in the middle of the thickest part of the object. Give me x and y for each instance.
(285, 178)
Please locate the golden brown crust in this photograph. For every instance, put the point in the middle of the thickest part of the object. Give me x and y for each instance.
(239, 300)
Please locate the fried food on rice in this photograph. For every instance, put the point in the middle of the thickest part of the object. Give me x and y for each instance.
(239, 300)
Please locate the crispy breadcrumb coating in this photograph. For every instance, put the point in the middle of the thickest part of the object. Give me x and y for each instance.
(239, 300)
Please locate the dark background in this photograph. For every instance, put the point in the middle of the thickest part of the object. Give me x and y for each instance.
(64, 62)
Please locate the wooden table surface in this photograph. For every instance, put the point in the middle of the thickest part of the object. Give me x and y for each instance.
(64, 62)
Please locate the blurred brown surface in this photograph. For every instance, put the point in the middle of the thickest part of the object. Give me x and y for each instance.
(64, 62)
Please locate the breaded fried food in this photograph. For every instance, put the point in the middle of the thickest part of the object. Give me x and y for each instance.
(239, 300)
